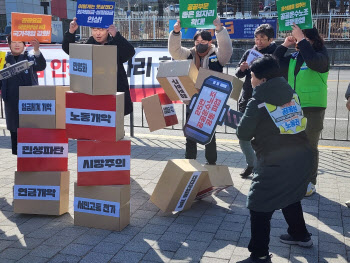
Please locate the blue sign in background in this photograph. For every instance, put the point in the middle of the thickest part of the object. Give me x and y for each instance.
(94, 17)
(237, 28)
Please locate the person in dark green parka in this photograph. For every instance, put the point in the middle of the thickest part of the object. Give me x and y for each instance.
(274, 121)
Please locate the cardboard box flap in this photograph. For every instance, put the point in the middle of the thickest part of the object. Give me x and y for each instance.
(175, 68)
(38, 178)
(204, 73)
(219, 175)
(188, 165)
(80, 51)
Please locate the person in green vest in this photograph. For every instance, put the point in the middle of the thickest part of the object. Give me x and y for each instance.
(307, 72)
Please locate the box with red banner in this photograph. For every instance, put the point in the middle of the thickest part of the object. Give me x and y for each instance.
(178, 185)
(103, 163)
(44, 193)
(42, 150)
(159, 111)
(95, 117)
(219, 179)
(178, 79)
(105, 207)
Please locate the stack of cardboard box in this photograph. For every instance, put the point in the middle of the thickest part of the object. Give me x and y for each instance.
(42, 177)
(95, 116)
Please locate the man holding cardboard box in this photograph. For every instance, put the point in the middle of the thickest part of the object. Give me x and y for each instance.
(10, 87)
(110, 36)
(204, 54)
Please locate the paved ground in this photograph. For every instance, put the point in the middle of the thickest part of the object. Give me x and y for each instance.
(214, 230)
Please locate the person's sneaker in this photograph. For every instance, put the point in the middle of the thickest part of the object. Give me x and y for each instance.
(257, 260)
(311, 189)
(288, 239)
(247, 171)
(208, 163)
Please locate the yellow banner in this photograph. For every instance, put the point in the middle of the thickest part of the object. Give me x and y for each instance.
(2, 59)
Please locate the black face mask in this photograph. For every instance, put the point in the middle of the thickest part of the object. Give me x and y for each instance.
(201, 48)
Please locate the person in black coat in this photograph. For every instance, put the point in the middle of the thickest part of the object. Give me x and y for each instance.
(263, 37)
(110, 36)
(10, 87)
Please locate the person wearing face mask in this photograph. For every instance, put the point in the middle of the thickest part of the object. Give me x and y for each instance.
(204, 54)
(307, 72)
(108, 36)
(10, 87)
(274, 122)
(263, 37)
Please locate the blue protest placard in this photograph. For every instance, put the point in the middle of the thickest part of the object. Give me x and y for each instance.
(94, 13)
(237, 28)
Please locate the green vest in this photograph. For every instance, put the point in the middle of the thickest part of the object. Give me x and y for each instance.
(311, 86)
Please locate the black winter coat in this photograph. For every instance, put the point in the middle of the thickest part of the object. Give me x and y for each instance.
(125, 52)
(247, 86)
(284, 160)
(10, 87)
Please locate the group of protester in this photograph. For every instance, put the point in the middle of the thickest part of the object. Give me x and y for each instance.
(284, 164)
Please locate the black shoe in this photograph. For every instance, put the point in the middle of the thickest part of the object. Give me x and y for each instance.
(288, 239)
(210, 163)
(247, 171)
(256, 260)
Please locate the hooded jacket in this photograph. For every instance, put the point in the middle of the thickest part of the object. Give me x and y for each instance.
(247, 90)
(284, 160)
(125, 52)
(10, 87)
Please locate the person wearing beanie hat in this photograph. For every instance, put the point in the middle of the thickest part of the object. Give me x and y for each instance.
(10, 87)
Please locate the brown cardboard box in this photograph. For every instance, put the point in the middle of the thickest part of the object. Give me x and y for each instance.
(44, 193)
(178, 79)
(93, 69)
(42, 107)
(91, 204)
(178, 185)
(236, 83)
(219, 178)
(159, 111)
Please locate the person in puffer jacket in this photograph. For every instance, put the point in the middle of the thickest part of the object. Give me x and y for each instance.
(274, 121)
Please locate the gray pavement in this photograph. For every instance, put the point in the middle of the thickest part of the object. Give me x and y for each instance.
(216, 229)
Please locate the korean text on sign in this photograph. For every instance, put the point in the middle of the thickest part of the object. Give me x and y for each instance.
(290, 12)
(97, 207)
(26, 27)
(94, 13)
(197, 15)
(37, 192)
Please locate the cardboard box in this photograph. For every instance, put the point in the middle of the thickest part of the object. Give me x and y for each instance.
(178, 79)
(93, 69)
(44, 193)
(42, 150)
(178, 185)
(236, 83)
(106, 207)
(95, 117)
(103, 163)
(159, 111)
(219, 178)
(42, 107)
